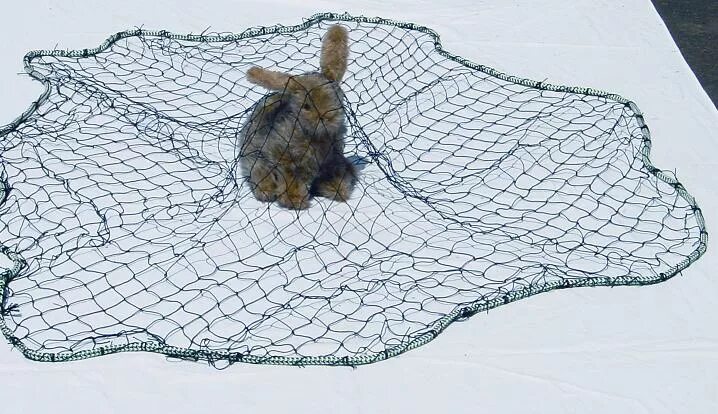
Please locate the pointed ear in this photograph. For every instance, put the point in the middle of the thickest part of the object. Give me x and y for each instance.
(274, 81)
(335, 51)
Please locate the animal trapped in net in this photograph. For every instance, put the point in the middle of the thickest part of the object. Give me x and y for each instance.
(293, 142)
(131, 227)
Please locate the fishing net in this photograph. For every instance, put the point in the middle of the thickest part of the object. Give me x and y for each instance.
(129, 227)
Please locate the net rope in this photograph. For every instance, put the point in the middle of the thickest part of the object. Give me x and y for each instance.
(130, 229)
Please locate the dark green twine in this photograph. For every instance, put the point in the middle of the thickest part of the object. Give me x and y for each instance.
(130, 228)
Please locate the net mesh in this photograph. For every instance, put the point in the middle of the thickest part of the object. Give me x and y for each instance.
(130, 228)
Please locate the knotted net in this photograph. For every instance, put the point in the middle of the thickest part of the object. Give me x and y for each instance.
(130, 229)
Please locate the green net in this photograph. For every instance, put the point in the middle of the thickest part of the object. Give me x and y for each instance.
(130, 228)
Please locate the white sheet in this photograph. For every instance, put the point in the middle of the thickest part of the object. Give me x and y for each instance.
(623, 350)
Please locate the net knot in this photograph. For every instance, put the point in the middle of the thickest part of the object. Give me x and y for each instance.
(10, 310)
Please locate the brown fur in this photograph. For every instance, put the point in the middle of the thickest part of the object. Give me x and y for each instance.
(268, 78)
(336, 181)
(266, 188)
(292, 145)
(335, 52)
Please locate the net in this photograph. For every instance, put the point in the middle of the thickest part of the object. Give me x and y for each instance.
(130, 228)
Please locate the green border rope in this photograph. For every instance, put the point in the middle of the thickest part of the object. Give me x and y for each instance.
(438, 326)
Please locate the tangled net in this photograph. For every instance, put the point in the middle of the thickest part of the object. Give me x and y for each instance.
(130, 229)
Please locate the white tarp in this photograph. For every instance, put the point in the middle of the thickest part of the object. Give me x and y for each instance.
(651, 349)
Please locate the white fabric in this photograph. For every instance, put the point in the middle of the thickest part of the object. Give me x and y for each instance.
(623, 350)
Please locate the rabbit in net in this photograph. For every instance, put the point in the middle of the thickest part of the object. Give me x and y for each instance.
(292, 145)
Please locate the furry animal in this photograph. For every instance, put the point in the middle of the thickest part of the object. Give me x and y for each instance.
(292, 146)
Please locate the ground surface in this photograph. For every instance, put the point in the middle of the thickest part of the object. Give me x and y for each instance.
(694, 26)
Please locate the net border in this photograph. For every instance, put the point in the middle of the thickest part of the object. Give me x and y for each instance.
(439, 326)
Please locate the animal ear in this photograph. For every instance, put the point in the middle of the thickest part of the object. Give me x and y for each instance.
(335, 51)
(272, 80)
